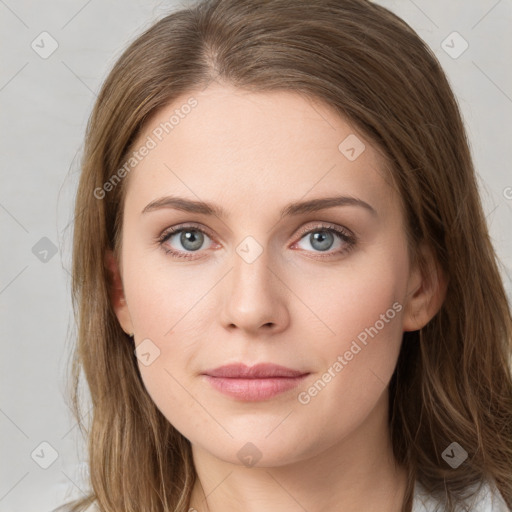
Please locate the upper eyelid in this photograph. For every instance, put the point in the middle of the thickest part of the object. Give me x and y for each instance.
(329, 226)
(174, 229)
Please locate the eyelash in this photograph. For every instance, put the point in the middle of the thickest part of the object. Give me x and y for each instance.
(343, 234)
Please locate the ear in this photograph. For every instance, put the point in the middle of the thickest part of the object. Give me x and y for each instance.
(425, 293)
(116, 293)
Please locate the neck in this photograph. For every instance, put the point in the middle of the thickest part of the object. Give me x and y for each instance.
(356, 473)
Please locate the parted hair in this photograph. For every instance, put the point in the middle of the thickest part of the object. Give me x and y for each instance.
(453, 378)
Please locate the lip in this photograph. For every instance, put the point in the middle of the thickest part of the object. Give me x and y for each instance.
(255, 383)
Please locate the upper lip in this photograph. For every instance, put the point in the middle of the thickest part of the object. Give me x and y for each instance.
(258, 371)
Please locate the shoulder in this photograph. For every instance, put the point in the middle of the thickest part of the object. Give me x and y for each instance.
(486, 499)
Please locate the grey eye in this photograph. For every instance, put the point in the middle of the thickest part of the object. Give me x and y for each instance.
(191, 239)
(321, 240)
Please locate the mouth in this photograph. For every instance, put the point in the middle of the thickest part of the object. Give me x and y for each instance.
(255, 383)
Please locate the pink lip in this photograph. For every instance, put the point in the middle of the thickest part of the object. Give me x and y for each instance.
(258, 382)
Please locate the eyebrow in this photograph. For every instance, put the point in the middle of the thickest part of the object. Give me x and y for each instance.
(292, 209)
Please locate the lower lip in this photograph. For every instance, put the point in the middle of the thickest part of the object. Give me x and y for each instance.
(252, 390)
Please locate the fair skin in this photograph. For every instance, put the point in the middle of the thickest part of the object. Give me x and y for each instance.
(252, 154)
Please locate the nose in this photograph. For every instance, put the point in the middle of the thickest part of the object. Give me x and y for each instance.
(254, 297)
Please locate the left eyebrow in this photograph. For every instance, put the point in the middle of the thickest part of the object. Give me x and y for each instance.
(292, 209)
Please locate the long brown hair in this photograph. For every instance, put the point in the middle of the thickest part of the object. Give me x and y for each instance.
(453, 378)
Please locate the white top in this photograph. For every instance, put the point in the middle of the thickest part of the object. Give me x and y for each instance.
(487, 500)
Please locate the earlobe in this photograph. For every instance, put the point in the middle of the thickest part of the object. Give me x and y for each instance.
(116, 293)
(425, 294)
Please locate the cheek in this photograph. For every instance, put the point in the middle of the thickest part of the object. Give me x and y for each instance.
(171, 324)
(360, 300)
(163, 296)
(361, 344)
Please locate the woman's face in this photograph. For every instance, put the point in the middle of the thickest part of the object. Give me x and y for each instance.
(266, 280)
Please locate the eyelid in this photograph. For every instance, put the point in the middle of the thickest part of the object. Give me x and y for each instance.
(185, 225)
(302, 231)
(341, 231)
(328, 226)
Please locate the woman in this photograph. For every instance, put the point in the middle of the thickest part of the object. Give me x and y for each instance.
(275, 224)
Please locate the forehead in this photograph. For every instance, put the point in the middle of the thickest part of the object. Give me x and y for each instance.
(256, 149)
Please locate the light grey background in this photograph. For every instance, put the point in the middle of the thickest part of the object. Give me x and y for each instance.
(45, 103)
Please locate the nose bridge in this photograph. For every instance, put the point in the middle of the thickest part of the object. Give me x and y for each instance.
(254, 294)
(251, 277)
